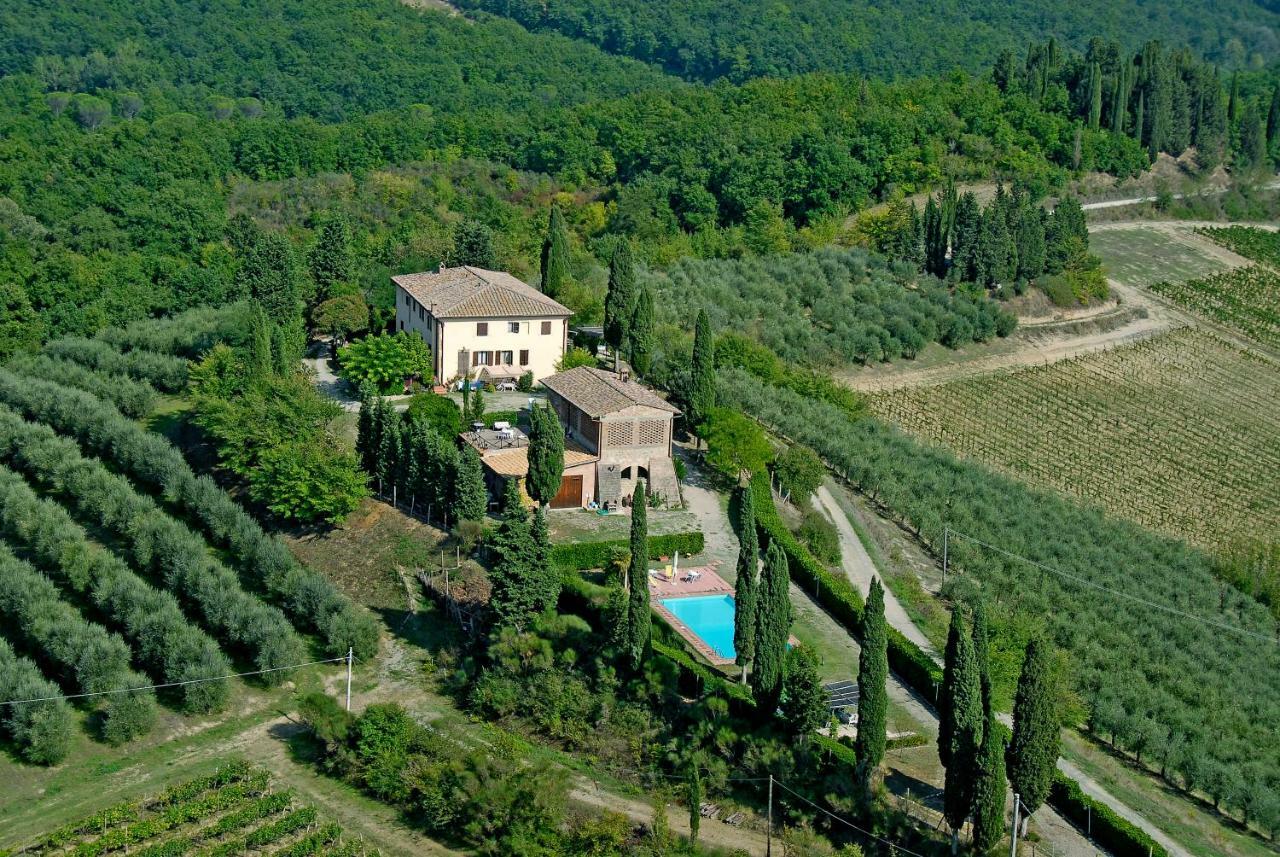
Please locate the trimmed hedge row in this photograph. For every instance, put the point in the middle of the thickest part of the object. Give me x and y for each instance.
(308, 597)
(169, 646)
(837, 595)
(40, 731)
(581, 556)
(156, 541)
(133, 398)
(159, 370)
(90, 657)
(1112, 832)
(187, 334)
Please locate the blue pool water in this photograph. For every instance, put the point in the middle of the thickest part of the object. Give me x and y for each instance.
(708, 616)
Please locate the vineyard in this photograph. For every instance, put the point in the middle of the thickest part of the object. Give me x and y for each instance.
(233, 811)
(1260, 245)
(1175, 433)
(1244, 299)
(121, 568)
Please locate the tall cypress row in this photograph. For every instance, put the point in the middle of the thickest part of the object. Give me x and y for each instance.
(873, 702)
(747, 589)
(1033, 753)
(555, 254)
(773, 627)
(639, 622)
(964, 692)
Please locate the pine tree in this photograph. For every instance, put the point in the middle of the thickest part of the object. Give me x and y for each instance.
(773, 627)
(620, 299)
(331, 260)
(1033, 753)
(805, 703)
(873, 672)
(747, 588)
(268, 273)
(640, 334)
(544, 575)
(472, 499)
(639, 622)
(555, 254)
(473, 245)
(546, 455)
(962, 686)
(702, 384)
(1095, 96)
(989, 791)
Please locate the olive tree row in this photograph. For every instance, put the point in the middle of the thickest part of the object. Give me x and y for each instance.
(155, 541)
(40, 731)
(167, 644)
(310, 599)
(159, 370)
(88, 657)
(187, 334)
(133, 398)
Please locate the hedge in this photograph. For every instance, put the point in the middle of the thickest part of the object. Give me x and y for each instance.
(308, 597)
(168, 645)
(837, 595)
(159, 370)
(581, 556)
(1115, 834)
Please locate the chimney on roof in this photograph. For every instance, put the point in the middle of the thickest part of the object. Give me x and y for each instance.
(622, 375)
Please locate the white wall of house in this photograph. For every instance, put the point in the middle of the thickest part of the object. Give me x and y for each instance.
(536, 343)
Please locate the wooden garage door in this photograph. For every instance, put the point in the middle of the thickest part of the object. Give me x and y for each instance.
(570, 494)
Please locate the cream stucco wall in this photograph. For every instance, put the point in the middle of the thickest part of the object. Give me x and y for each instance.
(450, 336)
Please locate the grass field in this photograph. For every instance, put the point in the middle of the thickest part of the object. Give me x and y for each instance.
(1176, 433)
(1144, 256)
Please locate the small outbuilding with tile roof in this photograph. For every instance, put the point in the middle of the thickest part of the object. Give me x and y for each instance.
(477, 321)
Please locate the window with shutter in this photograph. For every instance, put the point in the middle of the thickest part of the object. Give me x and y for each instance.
(524, 357)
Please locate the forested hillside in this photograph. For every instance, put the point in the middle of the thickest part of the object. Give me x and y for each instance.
(738, 39)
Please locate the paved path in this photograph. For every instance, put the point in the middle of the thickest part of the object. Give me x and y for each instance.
(859, 568)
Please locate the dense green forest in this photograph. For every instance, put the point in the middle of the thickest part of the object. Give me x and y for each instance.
(737, 39)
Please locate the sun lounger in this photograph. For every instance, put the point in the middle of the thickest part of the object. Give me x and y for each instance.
(709, 810)
(736, 819)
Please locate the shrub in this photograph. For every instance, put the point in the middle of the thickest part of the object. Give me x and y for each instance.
(575, 357)
(584, 555)
(439, 412)
(41, 731)
(161, 371)
(525, 382)
(154, 540)
(166, 643)
(153, 461)
(819, 536)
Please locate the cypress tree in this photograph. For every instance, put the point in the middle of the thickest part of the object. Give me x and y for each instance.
(963, 687)
(1030, 241)
(982, 651)
(702, 384)
(471, 499)
(620, 299)
(989, 792)
(1120, 99)
(269, 274)
(544, 575)
(365, 443)
(1140, 118)
(747, 590)
(694, 799)
(1233, 100)
(964, 237)
(260, 357)
(330, 260)
(873, 702)
(804, 700)
(773, 627)
(1095, 96)
(935, 240)
(555, 254)
(1033, 753)
(546, 455)
(640, 335)
(1273, 118)
(390, 444)
(514, 595)
(639, 622)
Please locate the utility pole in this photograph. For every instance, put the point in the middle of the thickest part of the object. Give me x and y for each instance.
(1013, 833)
(350, 656)
(768, 840)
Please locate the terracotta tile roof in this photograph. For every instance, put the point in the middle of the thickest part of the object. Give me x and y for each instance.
(597, 392)
(515, 462)
(467, 292)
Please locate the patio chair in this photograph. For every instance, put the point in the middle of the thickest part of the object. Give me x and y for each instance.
(692, 577)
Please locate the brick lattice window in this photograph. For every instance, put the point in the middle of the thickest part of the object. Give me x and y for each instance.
(618, 434)
(652, 432)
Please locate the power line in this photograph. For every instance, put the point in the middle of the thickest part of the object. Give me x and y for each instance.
(898, 849)
(1099, 587)
(171, 683)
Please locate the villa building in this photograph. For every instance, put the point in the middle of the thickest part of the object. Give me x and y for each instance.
(487, 324)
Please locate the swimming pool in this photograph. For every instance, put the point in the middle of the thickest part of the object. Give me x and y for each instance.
(708, 616)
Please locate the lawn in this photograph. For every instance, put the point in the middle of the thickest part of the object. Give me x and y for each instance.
(581, 525)
(1142, 256)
